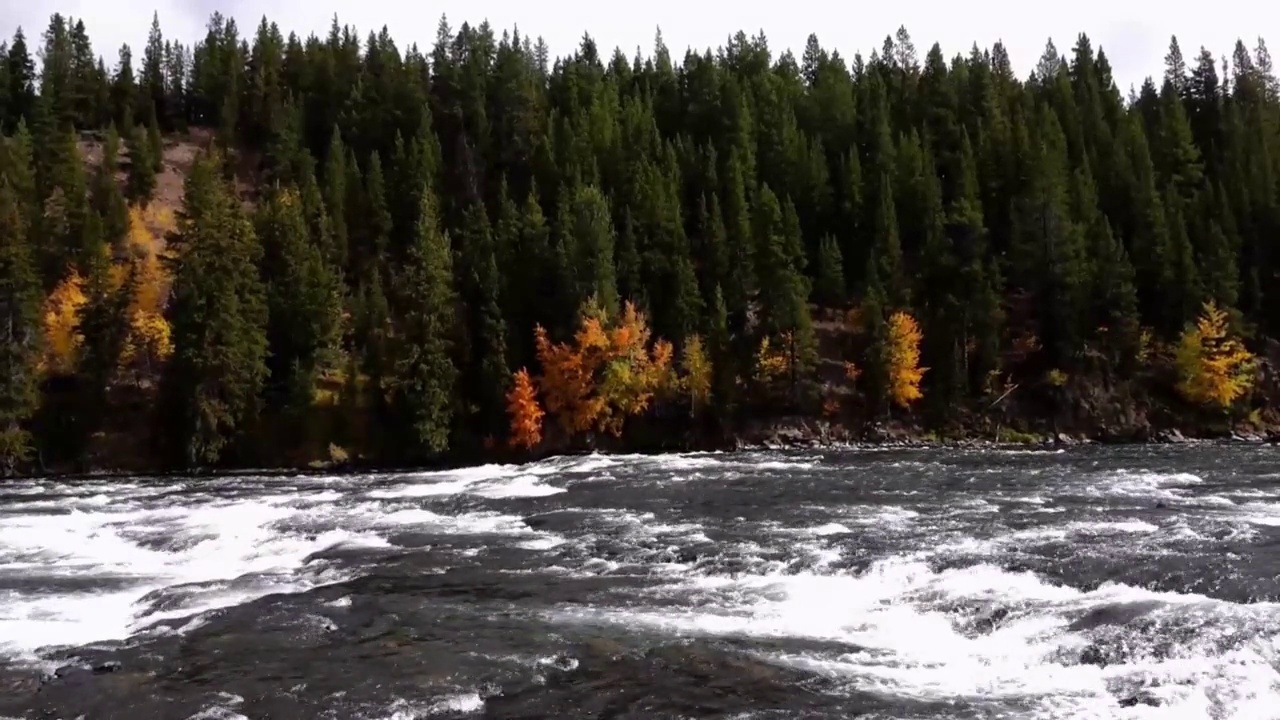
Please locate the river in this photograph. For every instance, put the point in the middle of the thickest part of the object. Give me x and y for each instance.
(1137, 582)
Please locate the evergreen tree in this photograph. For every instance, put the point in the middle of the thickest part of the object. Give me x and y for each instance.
(424, 366)
(783, 289)
(104, 325)
(218, 311)
(141, 182)
(20, 349)
(303, 302)
(830, 285)
(591, 228)
(155, 143)
(124, 91)
(108, 200)
(487, 371)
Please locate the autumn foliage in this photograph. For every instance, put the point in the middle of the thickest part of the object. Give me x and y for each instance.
(696, 367)
(147, 343)
(525, 412)
(903, 355)
(1214, 368)
(772, 363)
(609, 372)
(62, 338)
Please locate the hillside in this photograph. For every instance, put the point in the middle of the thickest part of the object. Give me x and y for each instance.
(278, 251)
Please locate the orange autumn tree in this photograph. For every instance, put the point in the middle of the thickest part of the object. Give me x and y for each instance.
(608, 373)
(903, 354)
(567, 381)
(525, 412)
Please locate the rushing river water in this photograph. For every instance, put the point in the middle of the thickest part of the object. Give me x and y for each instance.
(1091, 583)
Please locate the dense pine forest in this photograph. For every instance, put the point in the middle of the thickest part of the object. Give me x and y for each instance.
(267, 250)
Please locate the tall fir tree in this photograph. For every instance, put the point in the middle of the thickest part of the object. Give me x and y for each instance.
(218, 312)
(425, 366)
(303, 303)
(20, 349)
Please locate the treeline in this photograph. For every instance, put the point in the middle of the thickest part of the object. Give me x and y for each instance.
(400, 255)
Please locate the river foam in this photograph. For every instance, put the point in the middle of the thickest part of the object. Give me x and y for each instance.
(1039, 586)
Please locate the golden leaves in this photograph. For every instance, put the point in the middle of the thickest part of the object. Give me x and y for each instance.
(147, 342)
(1214, 368)
(770, 363)
(697, 373)
(62, 338)
(903, 355)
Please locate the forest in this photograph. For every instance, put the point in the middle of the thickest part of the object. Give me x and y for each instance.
(264, 250)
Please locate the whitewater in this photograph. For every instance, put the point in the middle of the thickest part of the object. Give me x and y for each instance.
(1086, 583)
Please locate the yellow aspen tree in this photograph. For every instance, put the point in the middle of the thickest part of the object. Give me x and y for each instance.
(1214, 368)
(697, 373)
(770, 363)
(61, 324)
(905, 373)
(633, 371)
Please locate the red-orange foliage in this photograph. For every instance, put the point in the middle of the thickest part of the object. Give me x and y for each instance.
(606, 375)
(525, 412)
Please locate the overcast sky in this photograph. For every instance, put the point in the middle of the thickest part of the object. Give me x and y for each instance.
(1134, 33)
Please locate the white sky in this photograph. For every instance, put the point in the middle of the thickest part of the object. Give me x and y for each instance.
(1134, 33)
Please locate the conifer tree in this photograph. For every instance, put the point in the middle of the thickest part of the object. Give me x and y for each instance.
(124, 91)
(830, 285)
(424, 366)
(218, 311)
(155, 143)
(303, 302)
(487, 364)
(142, 178)
(783, 290)
(108, 200)
(591, 227)
(103, 324)
(335, 197)
(19, 333)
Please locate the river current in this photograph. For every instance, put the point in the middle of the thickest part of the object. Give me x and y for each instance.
(1092, 582)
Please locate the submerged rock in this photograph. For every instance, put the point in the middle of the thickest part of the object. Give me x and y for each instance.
(672, 680)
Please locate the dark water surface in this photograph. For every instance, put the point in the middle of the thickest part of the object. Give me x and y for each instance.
(1091, 583)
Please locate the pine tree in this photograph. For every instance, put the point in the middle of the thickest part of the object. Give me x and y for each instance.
(425, 371)
(303, 303)
(591, 227)
(20, 349)
(783, 289)
(830, 285)
(141, 181)
(487, 369)
(103, 324)
(124, 91)
(335, 197)
(218, 312)
(155, 143)
(108, 200)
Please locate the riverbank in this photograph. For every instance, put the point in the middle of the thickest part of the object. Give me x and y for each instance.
(780, 434)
